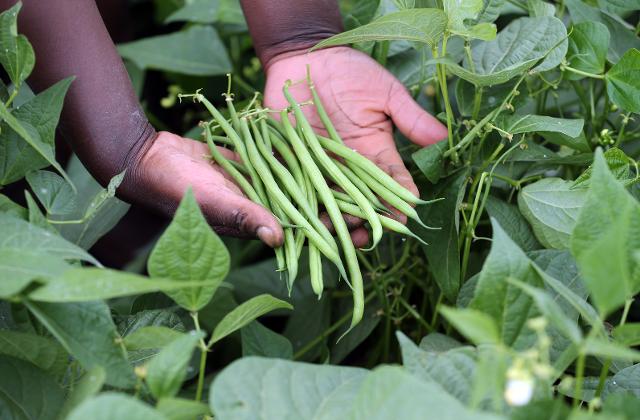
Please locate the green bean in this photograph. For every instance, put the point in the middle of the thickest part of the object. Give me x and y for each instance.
(387, 195)
(284, 203)
(387, 222)
(315, 259)
(222, 140)
(239, 166)
(372, 170)
(244, 185)
(322, 113)
(361, 185)
(335, 215)
(335, 173)
(292, 188)
(338, 195)
(291, 257)
(292, 162)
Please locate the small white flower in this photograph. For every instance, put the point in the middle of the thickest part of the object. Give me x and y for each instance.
(518, 392)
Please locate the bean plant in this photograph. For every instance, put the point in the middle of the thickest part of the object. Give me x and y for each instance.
(519, 305)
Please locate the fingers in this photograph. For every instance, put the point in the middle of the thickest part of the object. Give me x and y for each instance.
(351, 221)
(233, 214)
(360, 237)
(414, 122)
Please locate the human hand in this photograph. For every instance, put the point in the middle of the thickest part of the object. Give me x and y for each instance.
(173, 163)
(362, 99)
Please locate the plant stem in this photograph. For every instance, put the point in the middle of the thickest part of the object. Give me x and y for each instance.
(577, 395)
(204, 348)
(625, 121)
(583, 73)
(442, 81)
(625, 311)
(415, 314)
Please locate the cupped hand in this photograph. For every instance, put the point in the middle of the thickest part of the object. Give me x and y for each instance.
(362, 99)
(173, 164)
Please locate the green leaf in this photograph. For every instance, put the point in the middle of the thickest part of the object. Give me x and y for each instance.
(517, 48)
(438, 343)
(460, 12)
(517, 124)
(619, 164)
(552, 311)
(54, 193)
(89, 385)
(111, 405)
(417, 25)
(625, 405)
(151, 337)
(181, 409)
(36, 218)
(552, 206)
(588, 45)
(196, 51)
(209, 11)
(454, 369)
(301, 390)
(606, 236)
(610, 350)
(490, 10)
(540, 8)
(390, 392)
(19, 267)
(84, 284)
(508, 305)
(168, 369)
(623, 82)
(510, 219)
(189, 250)
(245, 313)
(477, 326)
(97, 208)
(442, 254)
(18, 57)
(87, 332)
(258, 340)
(27, 392)
(627, 334)
(430, 160)
(579, 143)
(11, 208)
(40, 351)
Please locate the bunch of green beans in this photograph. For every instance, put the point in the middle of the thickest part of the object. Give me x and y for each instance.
(291, 170)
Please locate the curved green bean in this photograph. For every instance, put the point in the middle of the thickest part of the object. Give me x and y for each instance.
(279, 197)
(320, 185)
(361, 185)
(334, 172)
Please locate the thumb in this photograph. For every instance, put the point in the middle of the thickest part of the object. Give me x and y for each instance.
(232, 214)
(414, 122)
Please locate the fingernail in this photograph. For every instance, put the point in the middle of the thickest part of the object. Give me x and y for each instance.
(265, 234)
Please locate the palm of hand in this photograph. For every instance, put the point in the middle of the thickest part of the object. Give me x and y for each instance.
(359, 96)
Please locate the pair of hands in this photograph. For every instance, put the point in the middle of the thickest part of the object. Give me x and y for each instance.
(360, 96)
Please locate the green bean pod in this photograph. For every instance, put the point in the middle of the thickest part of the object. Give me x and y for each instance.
(320, 185)
(355, 159)
(387, 222)
(315, 259)
(334, 172)
(361, 185)
(280, 198)
(292, 187)
(338, 195)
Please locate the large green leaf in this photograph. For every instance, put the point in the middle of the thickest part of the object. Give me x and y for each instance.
(552, 206)
(390, 392)
(21, 235)
(52, 191)
(87, 332)
(168, 369)
(518, 124)
(111, 405)
(452, 369)
(477, 326)
(623, 81)
(245, 313)
(182, 409)
(417, 25)
(258, 340)
(19, 267)
(588, 45)
(189, 250)
(458, 13)
(606, 240)
(255, 388)
(40, 351)
(17, 57)
(619, 164)
(84, 284)
(510, 219)
(151, 337)
(27, 392)
(209, 11)
(196, 51)
(517, 48)
(442, 251)
(430, 160)
(507, 304)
